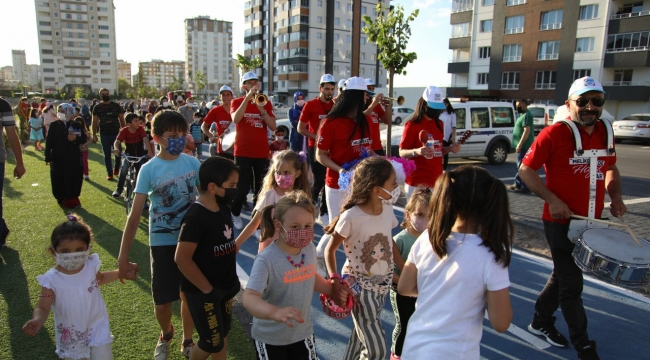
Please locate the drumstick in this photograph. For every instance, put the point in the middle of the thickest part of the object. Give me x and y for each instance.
(629, 229)
(597, 220)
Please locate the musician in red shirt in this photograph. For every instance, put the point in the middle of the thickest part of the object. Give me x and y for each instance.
(219, 115)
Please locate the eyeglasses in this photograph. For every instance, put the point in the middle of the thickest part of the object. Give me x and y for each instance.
(583, 101)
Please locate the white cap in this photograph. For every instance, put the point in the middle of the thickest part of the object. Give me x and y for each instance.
(341, 83)
(327, 78)
(433, 96)
(357, 83)
(584, 85)
(251, 75)
(179, 98)
(225, 88)
(370, 82)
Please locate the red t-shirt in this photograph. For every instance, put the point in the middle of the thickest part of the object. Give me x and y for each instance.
(222, 118)
(334, 135)
(426, 170)
(278, 146)
(313, 113)
(252, 133)
(567, 175)
(133, 140)
(376, 119)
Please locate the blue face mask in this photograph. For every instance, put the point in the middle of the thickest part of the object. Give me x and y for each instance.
(175, 146)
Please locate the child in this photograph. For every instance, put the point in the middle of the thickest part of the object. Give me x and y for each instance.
(281, 277)
(36, 129)
(189, 144)
(137, 144)
(197, 134)
(365, 228)
(288, 172)
(416, 217)
(206, 243)
(84, 147)
(72, 289)
(170, 181)
(458, 266)
(279, 143)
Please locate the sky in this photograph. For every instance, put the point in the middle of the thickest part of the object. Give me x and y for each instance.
(148, 30)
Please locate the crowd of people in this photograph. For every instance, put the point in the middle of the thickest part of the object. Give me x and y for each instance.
(451, 257)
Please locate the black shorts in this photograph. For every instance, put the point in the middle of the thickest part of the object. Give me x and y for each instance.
(212, 315)
(303, 350)
(165, 275)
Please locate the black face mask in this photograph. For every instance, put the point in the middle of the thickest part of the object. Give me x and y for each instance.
(520, 109)
(106, 98)
(431, 113)
(229, 196)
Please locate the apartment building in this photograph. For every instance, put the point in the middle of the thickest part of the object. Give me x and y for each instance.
(507, 50)
(77, 45)
(208, 49)
(124, 70)
(300, 40)
(7, 73)
(33, 75)
(19, 61)
(160, 74)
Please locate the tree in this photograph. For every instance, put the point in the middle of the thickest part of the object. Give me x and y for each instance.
(391, 34)
(200, 80)
(79, 93)
(175, 84)
(123, 86)
(62, 93)
(247, 64)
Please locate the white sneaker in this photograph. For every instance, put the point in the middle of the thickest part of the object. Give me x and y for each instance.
(162, 349)
(236, 221)
(257, 234)
(187, 350)
(325, 219)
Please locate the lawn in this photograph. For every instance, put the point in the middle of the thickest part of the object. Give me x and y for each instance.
(31, 213)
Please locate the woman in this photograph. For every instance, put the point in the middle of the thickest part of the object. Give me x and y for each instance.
(63, 155)
(448, 117)
(153, 105)
(426, 154)
(296, 140)
(49, 115)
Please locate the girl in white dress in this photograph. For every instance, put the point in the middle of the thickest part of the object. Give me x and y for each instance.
(72, 290)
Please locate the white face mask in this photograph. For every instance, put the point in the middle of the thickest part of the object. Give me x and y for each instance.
(60, 116)
(279, 138)
(300, 102)
(165, 104)
(394, 196)
(196, 120)
(72, 261)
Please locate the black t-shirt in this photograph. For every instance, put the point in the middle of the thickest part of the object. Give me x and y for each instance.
(108, 114)
(215, 253)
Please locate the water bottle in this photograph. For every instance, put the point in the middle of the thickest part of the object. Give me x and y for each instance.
(353, 285)
(430, 145)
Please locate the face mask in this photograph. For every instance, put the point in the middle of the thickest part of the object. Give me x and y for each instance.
(519, 109)
(60, 116)
(190, 104)
(394, 196)
(175, 146)
(431, 113)
(196, 120)
(279, 138)
(229, 195)
(165, 104)
(298, 238)
(300, 103)
(418, 224)
(106, 97)
(72, 261)
(284, 181)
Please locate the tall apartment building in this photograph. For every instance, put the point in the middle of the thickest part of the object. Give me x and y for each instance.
(535, 49)
(7, 73)
(33, 75)
(124, 70)
(20, 65)
(208, 49)
(77, 45)
(300, 40)
(160, 74)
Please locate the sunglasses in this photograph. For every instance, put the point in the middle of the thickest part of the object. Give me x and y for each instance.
(596, 101)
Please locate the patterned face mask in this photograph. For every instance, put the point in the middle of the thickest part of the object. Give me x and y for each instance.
(298, 238)
(175, 146)
(394, 196)
(284, 181)
(72, 261)
(417, 223)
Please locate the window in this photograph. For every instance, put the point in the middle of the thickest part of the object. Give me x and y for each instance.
(363, 40)
(103, 27)
(103, 36)
(319, 52)
(487, 2)
(80, 35)
(510, 80)
(515, 24)
(319, 3)
(104, 45)
(484, 52)
(480, 117)
(336, 69)
(348, 23)
(502, 116)
(349, 7)
(319, 19)
(71, 43)
(515, 2)
(48, 70)
(362, 56)
(622, 77)
(44, 23)
(336, 37)
(589, 12)
(337, 5)
(585, 44)
(70, 53)
(51, 79)
(319, 35)
(548, 50)
(580, 73)
(512, 53)
(363, 10)
(81, 26)
(460, 30)
(460, 5)
(48, 61)
(46, 33)
(348, 39)
(551, 20)
(482, 78)
(486, 25)
(628, 41)
(319, 67)
(337, 21)
(545, 80)
(81, 44)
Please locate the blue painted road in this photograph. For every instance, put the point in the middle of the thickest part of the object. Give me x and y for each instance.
(619, 320)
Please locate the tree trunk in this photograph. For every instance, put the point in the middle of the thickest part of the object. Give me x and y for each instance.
(391, 76)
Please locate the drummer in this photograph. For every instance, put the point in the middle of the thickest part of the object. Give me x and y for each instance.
(567, 192)
(221, 116)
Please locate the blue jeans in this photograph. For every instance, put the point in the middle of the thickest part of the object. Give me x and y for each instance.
(518, 182)
(107, 147)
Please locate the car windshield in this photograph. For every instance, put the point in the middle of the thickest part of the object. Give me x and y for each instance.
(536, 112)
(638, 117)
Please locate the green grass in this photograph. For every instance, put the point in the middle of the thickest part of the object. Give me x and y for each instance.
(31, 213)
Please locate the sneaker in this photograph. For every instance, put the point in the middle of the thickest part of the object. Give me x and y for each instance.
(116, 172)
(162, 347)
(394, 357)
(518, 189)
(588, 352)
(236, 221)
(187, 350)
(86, 177)
(324, 219)
(109, 178)
(549, 331)
(512, 187)
(117, 194)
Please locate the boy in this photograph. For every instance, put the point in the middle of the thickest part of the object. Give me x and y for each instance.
(170, 179)
(137, 144)
(197, 133)
(206, 257)
(279, 143)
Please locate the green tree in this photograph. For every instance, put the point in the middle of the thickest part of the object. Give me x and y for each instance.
(247, 64)
(62, 93)
(200, 79)
(391, 32)
(176, 84)
(79, 92)
(123, 85)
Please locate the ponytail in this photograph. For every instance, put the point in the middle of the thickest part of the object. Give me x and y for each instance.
(267, 226)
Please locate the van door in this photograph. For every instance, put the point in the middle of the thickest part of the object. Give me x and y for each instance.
(479, 123)
(461, 127)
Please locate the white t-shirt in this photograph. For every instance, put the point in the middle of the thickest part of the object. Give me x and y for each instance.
(448, 317)
(368, 246)
(450, 122)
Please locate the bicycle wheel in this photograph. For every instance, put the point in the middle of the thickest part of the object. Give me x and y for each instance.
(128, 196)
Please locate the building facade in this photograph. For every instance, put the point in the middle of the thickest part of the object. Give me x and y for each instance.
(7, 73)
(77, 45)
(19, 61)
(208, 49)
(124, 70)
(300, 40)
(534, 49)
(34, 76)
(161, 74)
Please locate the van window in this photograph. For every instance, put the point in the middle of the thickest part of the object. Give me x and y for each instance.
(480, 117)
(536, 112)
(551, 113)
(502, 117)
(460, 118)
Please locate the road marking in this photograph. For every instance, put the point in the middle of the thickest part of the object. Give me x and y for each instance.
(632, 202)
(243, 276)
(512, 178)
(525, 335)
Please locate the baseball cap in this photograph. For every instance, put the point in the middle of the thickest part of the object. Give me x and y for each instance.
(357, 83)
(249, 76)
(327, 78)
(584, 85)
(341, 83)
(225, 88)
(370, 82)
(433, 96)
(179, 98)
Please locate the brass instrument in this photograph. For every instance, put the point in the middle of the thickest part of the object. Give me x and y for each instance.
(400, 100)
(260, 100)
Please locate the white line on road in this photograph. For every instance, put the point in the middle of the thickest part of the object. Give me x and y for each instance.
(632, 201)
(512, 178)
(526, 336)
(243, 276)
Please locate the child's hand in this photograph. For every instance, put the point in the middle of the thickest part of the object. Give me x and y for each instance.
(131, 275)
(344, 292)
(286, 314)
(32, 327)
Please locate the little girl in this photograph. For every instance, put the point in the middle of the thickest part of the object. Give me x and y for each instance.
(416, 217)
(458, 266)
(36, 127)
(287, 172)
(84, 147)
(281, 277)
(365, 229)
(72, 289)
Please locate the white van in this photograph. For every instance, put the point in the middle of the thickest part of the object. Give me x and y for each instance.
(491, 122)
(543, 115)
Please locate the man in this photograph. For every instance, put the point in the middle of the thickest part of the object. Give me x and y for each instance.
(108, 119)
(251, 143)
(220, 116)
(567, 192)
(8, 122)
(296, 139)
(377, 113)
(42, 105)
(311, 117)
(186, 110)
(523, 137)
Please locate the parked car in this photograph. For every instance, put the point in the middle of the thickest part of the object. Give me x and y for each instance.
(542, 115)
(634, 127)
(400, 114)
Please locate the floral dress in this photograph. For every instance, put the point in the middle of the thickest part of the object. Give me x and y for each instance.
(80, 316)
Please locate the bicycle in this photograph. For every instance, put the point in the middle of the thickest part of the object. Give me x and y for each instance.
(131, 178)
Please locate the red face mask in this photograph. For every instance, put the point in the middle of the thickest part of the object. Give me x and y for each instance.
(299, 238)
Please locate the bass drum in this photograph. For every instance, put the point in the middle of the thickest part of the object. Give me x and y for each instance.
(228, 139)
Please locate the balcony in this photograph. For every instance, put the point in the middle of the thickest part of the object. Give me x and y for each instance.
(631, 22)
(627, 90)
(632, 57)
(458, 67)
(460, 42)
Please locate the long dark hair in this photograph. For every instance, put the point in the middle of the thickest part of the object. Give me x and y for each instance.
(421, 110)
(348, 101)
(448, 107)
(471, 193)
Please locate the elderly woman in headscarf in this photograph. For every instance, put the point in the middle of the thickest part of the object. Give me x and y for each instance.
(296, 140)
(85, 112)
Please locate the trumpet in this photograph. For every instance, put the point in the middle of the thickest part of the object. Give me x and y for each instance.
(260, 100)
(400, 100)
